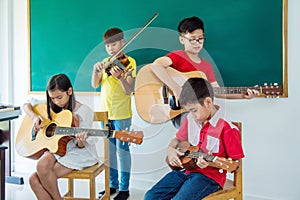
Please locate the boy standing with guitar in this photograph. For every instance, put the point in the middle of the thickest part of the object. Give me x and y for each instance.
(206, 127)
(191, 36)
(116, 75)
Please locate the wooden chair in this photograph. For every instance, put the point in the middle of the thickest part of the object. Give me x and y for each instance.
(92, 172)
(232, 189)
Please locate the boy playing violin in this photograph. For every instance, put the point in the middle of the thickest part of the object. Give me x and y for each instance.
(205, 127)
(116, 86)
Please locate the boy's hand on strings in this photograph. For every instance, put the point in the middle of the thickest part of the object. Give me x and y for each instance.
(251, 93)
(98, 67)
(116, 72)
(173, 157)
(202, 163)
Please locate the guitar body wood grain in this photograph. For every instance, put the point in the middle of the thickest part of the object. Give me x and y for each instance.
(29, 147)
(149, 90)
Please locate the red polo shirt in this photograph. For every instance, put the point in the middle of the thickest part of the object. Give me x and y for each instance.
(218, 136)
(182, 63)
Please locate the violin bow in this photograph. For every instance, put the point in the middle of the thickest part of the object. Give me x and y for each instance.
(133, 37)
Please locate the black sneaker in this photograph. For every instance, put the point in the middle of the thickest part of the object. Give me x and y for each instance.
(122, 195)
(112, 191)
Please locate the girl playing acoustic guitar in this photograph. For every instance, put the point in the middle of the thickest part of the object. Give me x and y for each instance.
(80, 151)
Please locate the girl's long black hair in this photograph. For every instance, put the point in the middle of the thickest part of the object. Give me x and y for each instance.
(59, 82)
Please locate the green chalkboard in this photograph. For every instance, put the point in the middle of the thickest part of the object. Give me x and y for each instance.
(246, 40)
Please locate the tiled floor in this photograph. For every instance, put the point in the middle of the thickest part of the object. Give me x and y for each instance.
(23, 192)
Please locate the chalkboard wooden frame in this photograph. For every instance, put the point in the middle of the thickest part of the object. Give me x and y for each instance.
(40, 73)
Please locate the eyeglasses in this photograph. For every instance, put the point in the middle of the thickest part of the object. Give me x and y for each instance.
(194, 41)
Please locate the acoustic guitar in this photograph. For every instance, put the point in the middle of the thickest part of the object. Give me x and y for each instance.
(152, 96)
(192, 153)
(58, 132)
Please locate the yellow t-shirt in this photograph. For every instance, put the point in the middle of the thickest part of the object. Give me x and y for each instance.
(113, 99)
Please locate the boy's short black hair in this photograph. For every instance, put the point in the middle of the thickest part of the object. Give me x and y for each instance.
(188, 25)
(195, 90)
(113, 35)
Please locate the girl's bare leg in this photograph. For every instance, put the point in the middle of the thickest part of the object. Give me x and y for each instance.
(48, 171)
(37, 188)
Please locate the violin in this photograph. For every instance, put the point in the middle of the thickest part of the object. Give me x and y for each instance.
(122, 62)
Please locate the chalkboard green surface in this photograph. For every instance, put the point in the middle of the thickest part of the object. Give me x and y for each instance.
(244, 38)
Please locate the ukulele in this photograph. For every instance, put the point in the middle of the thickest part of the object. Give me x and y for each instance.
(152, 95)
(192, 153)
(58, 132)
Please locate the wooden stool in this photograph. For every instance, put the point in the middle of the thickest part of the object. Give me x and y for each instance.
(89, 173)
(92, 172)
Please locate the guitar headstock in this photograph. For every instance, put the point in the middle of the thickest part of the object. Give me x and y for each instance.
(135, 137)
(272, 90)
(225, 164)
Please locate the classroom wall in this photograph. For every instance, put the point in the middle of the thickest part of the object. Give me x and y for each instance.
(270, 126)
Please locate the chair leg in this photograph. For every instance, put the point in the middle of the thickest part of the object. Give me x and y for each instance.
(70, 188)
(92, 188)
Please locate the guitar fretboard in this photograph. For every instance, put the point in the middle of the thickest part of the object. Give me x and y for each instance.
(198, 154)
(73, 130)
(231, 90)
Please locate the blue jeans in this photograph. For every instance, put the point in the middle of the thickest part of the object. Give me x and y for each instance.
(177, 185)
(120, 150)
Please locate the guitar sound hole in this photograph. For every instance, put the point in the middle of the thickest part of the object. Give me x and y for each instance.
(187, 153)
(50, 130)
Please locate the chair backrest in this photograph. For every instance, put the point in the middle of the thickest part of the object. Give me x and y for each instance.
(238, 174)
(103, 117)
(232, 189)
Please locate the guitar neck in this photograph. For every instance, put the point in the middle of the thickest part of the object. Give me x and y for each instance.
(198, 154)
(232, 90)
(72, 131)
